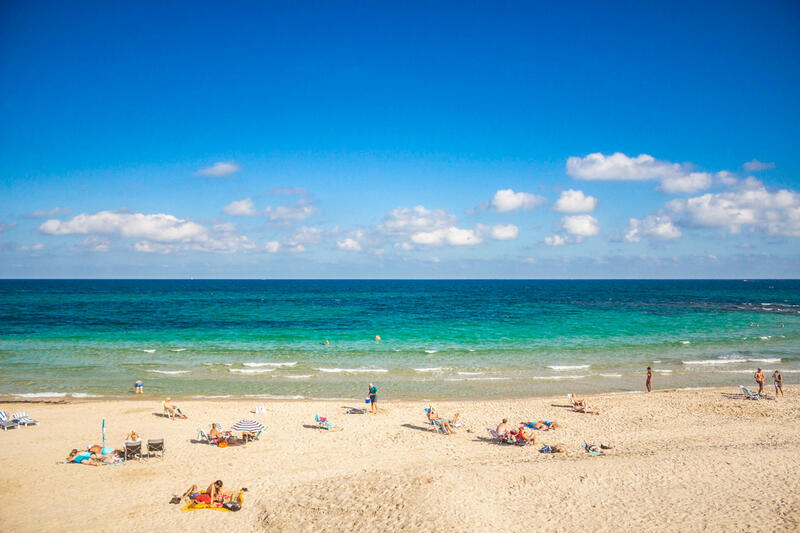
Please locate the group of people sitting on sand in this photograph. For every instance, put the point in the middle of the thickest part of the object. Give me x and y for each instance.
(223, 439)
(524, 433)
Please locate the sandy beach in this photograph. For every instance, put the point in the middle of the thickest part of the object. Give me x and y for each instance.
(688, 460)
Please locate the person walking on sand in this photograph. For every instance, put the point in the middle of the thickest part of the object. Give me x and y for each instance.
(649, 382)
(139, 386)
(373, 399)
(759, 375)
(776, 376)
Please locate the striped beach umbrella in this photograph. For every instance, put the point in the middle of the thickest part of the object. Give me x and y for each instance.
(250, 426)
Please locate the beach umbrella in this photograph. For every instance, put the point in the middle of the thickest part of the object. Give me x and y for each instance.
(250, 426)
(104, 433)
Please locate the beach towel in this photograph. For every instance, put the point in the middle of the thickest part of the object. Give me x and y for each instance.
(592, 448)
(229, 497)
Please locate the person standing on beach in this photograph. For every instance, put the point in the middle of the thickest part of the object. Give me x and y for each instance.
(759, 375)
(139, 386)
(373, 399)
(649, 382)
(776, 376)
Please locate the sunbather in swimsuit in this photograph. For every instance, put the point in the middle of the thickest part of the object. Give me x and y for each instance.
(83, 458)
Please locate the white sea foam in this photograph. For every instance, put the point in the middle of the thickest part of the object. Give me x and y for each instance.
(178, 350)
(749, 371)
(149, 351)
(431, 351)
(657, 361)
(610, 375)
(298, 376)
(470, 373)
(172, 372)
(568, 367)
(432, 369)
(766, 360)
(256, 365)
(715, 362)
(766, 338)
(41, 395)
(353, 370)
(664, 371)
(85, 395)
(251, 370)
(686, 342)
(487, 379)
(213, 397)
(275, 396)
(554, 378)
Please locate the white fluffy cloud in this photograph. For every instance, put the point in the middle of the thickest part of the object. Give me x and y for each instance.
(504, 233)
(572, 201)
(775, 213)
(241, 208)
(301, 210)
(348, 244)
(33, 248)
(152, 229)
(757, 166)
(580, 225)
(272, 246)
(220, 169)
(507, 200)
(674, 177)
(451, 235)
(555, 240)
(404, 220)
(652, 227)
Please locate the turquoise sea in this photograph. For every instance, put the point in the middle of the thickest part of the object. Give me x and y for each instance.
(457, 339)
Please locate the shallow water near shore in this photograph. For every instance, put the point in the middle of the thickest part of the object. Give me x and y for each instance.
(455, 339)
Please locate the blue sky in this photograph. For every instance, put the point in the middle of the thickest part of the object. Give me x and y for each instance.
(521, 140)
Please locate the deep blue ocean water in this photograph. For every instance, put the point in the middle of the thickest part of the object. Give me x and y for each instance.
(460, 339)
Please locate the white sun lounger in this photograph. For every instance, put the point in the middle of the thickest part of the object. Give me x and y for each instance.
(5, 422)
(23, 419)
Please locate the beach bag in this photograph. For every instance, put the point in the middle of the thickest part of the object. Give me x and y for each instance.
(232, 506)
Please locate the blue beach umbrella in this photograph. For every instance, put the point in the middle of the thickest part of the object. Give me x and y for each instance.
(104, 433)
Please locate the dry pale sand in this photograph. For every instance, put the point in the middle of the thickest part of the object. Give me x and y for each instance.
(688, 460)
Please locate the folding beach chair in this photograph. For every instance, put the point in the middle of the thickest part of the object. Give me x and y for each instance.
(133, 450)
(498, 437)
(749, 395)
(323, 421)
(155, 446)
(23, 419)
(5, 423)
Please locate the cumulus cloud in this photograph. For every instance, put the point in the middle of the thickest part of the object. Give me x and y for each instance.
(241, 208)
(504, 233)
(51, 213)
(220, 169)
(775, 213)
(301, 210)
(272, 246)
(507, 200)
(151, 229)
(572, 201)
(148, 247)
(652, 227)
(580, 225)
(555, 240)
(408, 220)
(757, 166)
(451, 235)
(349, 244)
(674, 177)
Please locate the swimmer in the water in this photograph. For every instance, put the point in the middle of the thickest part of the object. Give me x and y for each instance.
(327, 342)
(377, 338)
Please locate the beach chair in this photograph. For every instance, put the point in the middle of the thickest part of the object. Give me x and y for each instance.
(323, 422)
(498, 437)
(571, 400)
(133, 450)
(5, 422)
(748, 395)
(23, 419)
(155, 446)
